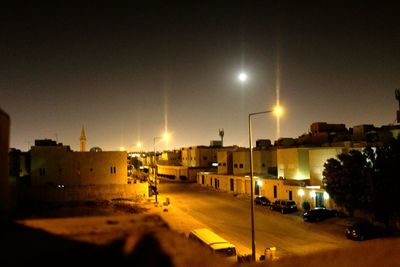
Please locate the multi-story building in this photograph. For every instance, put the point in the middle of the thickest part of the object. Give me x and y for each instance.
(293, 163)
(56, 164)
(172, 158)
(191, 161)
(199, 156)
(293, 167)
(225, 161)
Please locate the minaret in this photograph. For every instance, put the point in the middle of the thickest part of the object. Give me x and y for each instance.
(83, 140)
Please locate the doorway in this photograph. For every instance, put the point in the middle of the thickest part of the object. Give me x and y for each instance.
(319, 199)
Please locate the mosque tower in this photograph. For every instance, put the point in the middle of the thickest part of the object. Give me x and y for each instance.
(83, 140)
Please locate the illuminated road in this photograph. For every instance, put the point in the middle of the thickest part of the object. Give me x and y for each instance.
(229, 216)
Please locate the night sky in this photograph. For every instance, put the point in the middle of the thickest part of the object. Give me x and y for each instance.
(127, 72)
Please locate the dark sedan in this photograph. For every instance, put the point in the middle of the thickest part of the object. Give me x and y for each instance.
(319, 214)
(364, 230)
(261, 200)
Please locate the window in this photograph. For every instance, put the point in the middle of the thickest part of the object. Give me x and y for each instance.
(232, 184)
(235, 166)
(113, 170)
(224, 164)
(241, 165)
(275, 192)
(204, 158)
(263, 165)
(202, 179)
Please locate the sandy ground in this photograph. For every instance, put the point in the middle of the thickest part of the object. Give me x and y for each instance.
(104, 223)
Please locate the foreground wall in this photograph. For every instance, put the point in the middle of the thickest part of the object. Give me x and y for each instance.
(86, 192)
(4, 143)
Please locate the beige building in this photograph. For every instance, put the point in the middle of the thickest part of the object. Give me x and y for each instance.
(186, 163)
(299, 173)
(293, 163)
(237, 161)
(273, 189)
(265, 162)
(170, 158)
(317, 159)
(199, 156)
(225, 161)
(241, 162)
(58, 165)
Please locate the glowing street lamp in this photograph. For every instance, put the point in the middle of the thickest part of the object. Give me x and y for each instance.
(139, 145)
(277, 111)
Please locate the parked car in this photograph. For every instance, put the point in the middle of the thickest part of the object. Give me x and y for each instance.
(262, 200)
(364, 230)
(319, 214)
(284, 205)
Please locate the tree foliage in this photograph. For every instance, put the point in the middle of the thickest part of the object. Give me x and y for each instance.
(368, 180)
(136, 163)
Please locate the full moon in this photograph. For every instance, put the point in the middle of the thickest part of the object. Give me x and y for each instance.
(242, 76)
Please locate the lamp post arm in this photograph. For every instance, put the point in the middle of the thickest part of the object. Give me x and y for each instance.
(261, 112)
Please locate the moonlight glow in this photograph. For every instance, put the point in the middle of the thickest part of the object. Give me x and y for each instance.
(242, 77)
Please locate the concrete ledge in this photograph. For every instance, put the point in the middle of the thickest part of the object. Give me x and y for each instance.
(84, 193)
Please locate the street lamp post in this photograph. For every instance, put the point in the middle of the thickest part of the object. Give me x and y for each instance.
(165, 137)
(155, 166)
(253, 243)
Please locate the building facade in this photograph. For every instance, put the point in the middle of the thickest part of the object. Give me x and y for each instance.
(273, 189)
(199, 156)
(58, 165)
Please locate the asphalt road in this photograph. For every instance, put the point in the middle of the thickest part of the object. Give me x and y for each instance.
(229, 216)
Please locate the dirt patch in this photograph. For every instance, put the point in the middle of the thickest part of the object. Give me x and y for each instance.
(33, 209)
(128, 208)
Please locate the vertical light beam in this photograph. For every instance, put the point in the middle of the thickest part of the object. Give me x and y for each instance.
(166, 86)
(278, 87)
